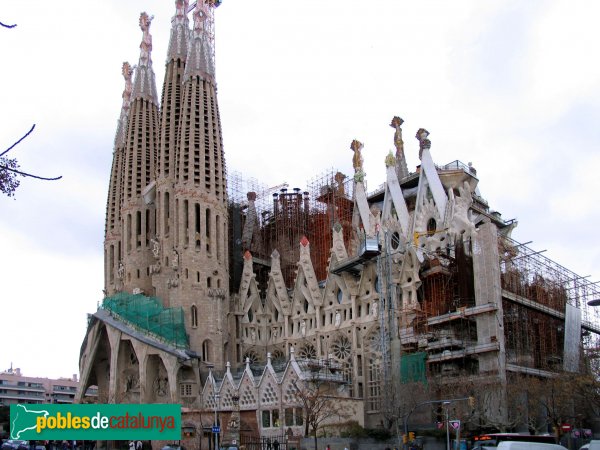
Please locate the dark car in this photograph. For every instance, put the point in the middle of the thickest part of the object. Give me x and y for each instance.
(15, 444)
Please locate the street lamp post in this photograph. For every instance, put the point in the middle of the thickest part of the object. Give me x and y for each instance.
(447, 404)
(216, 397)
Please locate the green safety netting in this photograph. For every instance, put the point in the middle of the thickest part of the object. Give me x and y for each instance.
(147, 314)
(412, 368)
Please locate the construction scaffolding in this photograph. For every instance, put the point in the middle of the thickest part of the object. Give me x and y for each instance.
(264, 219)
(536, 292)
(547, 321)
(147, 315)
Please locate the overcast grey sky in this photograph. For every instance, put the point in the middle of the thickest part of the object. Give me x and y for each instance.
(512, 86)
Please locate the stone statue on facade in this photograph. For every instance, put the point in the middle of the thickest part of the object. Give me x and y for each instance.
(175, 259)
(155, 247)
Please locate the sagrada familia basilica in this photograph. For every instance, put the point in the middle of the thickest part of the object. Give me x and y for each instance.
(223, 295)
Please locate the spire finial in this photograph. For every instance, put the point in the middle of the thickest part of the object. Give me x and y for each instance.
(398, 142)
(200, 14)
(424, 143)
(181, 7)
(401, 167)
(390, 160)
(357, 160)
(146, 45)
(127, 72)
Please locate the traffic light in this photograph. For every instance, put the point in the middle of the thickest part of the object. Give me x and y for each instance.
(411, 436)
(471, 401)
(404, 439)
(439, 414)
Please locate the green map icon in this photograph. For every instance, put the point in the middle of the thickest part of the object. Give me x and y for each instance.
(24, 419)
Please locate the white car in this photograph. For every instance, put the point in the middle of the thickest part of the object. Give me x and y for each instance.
(520, 445)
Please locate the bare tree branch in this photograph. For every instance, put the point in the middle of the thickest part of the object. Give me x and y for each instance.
(25, 174)
(9, 170)
(17, 143)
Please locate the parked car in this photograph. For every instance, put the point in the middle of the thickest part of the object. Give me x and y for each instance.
(173, 447)
(15, 444)
(519, 445)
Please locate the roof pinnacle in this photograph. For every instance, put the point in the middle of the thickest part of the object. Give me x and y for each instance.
(146, 45)
(127, 72)
(200, 58)
(144, 84)
(179, 31)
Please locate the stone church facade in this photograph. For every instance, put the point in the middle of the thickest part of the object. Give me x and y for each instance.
(219, 302)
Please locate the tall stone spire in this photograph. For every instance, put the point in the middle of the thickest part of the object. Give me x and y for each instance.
(141, 148)
(192, 199)
(171, 91)
(113, 231)
(166, 279)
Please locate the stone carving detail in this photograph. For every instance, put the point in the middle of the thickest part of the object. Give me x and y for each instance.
(155, 247)
(155, 268)
(460, 221)
(121, 270)
(342, 348)
(175, 259)
(132, 382)
(173, 282)
(161, 386)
